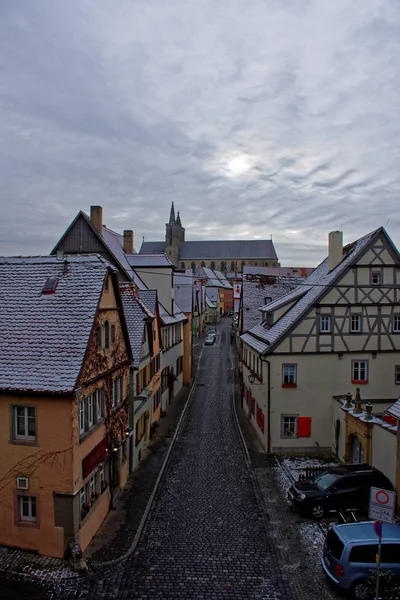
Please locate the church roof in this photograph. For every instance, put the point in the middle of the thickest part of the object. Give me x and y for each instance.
(220, 249)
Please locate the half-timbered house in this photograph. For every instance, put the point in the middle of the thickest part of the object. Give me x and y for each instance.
(339, 329)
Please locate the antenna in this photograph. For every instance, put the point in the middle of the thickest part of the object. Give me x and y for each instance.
(387, 222)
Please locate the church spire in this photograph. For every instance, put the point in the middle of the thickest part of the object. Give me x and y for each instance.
(178, 220)
(172, 215)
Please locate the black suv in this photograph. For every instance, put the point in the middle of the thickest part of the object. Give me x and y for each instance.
(338, 488)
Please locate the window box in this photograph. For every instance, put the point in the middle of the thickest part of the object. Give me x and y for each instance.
(289, 385)
(359, 381)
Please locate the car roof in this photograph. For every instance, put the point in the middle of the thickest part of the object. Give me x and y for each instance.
(364, 531)
(350, 469)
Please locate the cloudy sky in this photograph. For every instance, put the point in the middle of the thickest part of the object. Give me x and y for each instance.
(257, 117)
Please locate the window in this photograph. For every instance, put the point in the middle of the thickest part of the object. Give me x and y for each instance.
(179, 365)
(376, 278)
(325, 323)
(82, 497)
(27, 508)
(359, 371)
(113, 334)
(267, 299)
(90, 411)
(363, 554)
(289, 375)
(397, 374)
(117, 391)
(182, 266)
(233, 266)
(106, 285)
(396, 323)
(82, 415)
(355, 324)
(212, 265)
(106, 335)
(99, 395)
(92, 487)
(193, 266)
(157, 399)
(24, 422)
(289, 428)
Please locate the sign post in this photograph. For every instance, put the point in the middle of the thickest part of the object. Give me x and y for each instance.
(381, 505)
(378, 531)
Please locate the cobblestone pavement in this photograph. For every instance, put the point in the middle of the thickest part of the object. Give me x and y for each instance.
(205, 538)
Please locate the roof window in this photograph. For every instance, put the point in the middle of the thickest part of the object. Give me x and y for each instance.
(50, 285)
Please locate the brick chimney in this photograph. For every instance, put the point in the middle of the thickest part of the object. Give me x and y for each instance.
(96, 216)
(335, 254)
(128, 241)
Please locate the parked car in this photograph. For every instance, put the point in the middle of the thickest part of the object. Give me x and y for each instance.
(342, 487)
(212, 331)
(210, 340)
(349, 555)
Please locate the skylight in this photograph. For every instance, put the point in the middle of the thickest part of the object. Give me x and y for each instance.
(50, 285)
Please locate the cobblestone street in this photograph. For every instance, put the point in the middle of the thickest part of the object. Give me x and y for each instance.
(217, 528)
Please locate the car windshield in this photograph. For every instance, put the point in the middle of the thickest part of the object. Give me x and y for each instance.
(325, 480)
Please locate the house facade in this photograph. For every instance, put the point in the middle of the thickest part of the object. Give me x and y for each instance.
(64, 375)
(340, 327)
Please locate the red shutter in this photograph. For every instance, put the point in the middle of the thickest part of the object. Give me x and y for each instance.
(303, 426)
(390, 419)
(262, 422)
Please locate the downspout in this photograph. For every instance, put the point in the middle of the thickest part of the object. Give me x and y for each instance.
(268, 405)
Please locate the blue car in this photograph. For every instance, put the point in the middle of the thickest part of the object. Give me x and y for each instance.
(349, 556)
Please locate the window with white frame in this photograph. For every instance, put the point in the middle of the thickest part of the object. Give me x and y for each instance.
(325, 323)
(397, 374)
(92, 487)
(99, 396)
(396, 323)
(355, 323)
(27, 508)
(376, 278)
(289, 426)
(82, 415)
(24, 423)
(289, 374)
(90, 411)
(117, 391)
(359, 370)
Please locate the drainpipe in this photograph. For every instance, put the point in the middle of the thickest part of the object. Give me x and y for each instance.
(268, 405)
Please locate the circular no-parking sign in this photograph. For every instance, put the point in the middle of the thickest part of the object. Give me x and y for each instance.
(378, 528)
(382, 497)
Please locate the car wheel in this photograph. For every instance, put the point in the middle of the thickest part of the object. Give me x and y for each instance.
(361, 590)
(317, 511)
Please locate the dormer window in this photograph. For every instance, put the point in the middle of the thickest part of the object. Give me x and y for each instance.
(50, 285)
(267, 299)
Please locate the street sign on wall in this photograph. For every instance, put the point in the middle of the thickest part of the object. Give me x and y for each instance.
(381, 505)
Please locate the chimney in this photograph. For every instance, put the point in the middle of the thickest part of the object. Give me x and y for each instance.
(96, 216)
(128, 241)
(335, 255)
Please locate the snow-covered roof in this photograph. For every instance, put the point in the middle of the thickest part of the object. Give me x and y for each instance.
(168, 319)
(223, 280)
(212, 294)
(149, 299)
(115, 244)
(136, 314)
(210, 277)
(44, 336)
(255, 292)
(394, 410)
(149, 260)
(308, 292)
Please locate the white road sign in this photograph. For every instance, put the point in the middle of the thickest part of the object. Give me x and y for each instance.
(381, 505)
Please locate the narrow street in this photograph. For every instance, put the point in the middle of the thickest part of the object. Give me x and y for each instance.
(205, 537)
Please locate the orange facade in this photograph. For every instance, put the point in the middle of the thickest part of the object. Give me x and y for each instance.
(61, 456)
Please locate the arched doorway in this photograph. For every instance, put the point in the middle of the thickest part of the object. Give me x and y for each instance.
(356, 450)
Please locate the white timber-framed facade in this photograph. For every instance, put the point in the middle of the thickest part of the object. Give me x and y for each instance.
(339, 329)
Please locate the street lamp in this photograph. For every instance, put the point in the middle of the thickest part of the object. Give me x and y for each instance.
(252, 379)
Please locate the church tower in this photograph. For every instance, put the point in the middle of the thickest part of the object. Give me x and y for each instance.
(174, 234)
